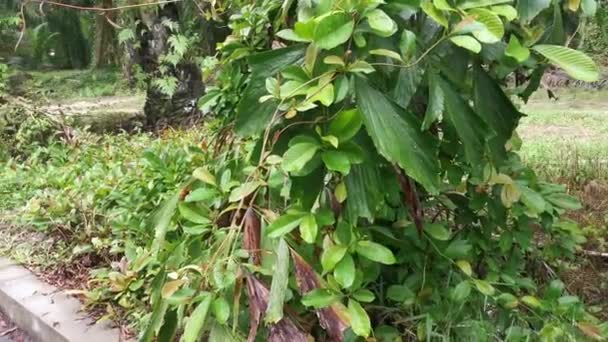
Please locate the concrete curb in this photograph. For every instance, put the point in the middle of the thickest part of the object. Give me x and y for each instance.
(45, 312)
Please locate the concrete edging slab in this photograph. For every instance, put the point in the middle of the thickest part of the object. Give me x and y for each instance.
(45, 312)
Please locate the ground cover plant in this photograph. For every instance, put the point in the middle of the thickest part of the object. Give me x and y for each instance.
(361, 179)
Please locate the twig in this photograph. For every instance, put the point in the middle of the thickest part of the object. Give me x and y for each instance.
(595, 253)
(6, 332)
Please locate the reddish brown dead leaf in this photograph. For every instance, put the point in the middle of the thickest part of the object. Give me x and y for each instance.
(334, 319)
(251, 238)
(284, 330)
(410, 198)
(590, 330)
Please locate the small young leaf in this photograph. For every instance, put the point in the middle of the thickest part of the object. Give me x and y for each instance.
(361, 66)
(319, 298)
(204, 175)
(335, 60)
(308, 228)
(437, 231)
(283, 225)
(221, 309)
(298, 155)
(243, 191)
(380, 23)
(345, 125)
(516, 50)
(201, 194)
(407, 44)
(386, 53)
(465, 267)
(375, 252)
(461, 291)
(484, 287)
(333, 29)
(467, 42)
(531, 301)
(345, 271)
(359, 319)
(336, 161)
(364, 295)
(332, 256)
(340, 192)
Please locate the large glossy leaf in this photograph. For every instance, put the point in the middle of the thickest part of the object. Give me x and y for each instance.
(397, 136)
(494, 29)
(575, 63)
(333, 29)
(251, 115)
(468, 125)
(278, 288)
(364, 186)
(496, 110)
(435, 105)
(405, 87)
(529, 9)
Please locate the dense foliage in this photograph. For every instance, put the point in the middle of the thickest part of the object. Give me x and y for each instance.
(362, 180)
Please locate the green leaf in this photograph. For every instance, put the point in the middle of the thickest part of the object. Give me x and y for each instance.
(243, 191)
(375, 252)
(397, 136)
(386, 53)
(308, 228)
(429, 9)
(494, 29)
(468, 125)
(400, 293)
(345, 271)
(509, 194)
(336, 161)
(589, 7)
(496, 110)
(340, 192)
(380, 23)
(480, 3)
(200, 195)
(319, 298)
(195, 322)
(461, 291)
(364, 184)
(333, 29)
(345, 125)
(252, 117)
(508, 300)
(283, 225)
(331, 256)
(436, 103)
(278, 288)
(221, 309)
(291, 35)
(564, 201)
(359, 319)
(334, 60)
(364, 295)
(507, 11)
(465, 267)
(361, 66)
(191, 213)
(467, 42)
(516, 50)
(298, 155)
(169, 328)
(162, 220)
(529, 9)
(531, 301)
(407, 44)
(575, 63)
(406, 85)
(204, 175)
(484, 287)
(532, 199)
(437, 231)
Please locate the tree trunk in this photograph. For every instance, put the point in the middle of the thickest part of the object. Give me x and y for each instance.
(105, 47)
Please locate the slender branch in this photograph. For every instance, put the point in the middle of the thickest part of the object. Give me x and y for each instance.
(418, 60)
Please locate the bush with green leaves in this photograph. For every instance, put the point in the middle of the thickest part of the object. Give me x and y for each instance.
(382, 194)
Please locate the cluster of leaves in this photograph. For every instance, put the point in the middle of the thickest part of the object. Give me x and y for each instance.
(382, 193)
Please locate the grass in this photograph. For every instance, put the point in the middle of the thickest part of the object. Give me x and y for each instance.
(567, 140)
(75, 84)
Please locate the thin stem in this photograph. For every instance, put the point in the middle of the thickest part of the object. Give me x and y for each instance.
(418, 60)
